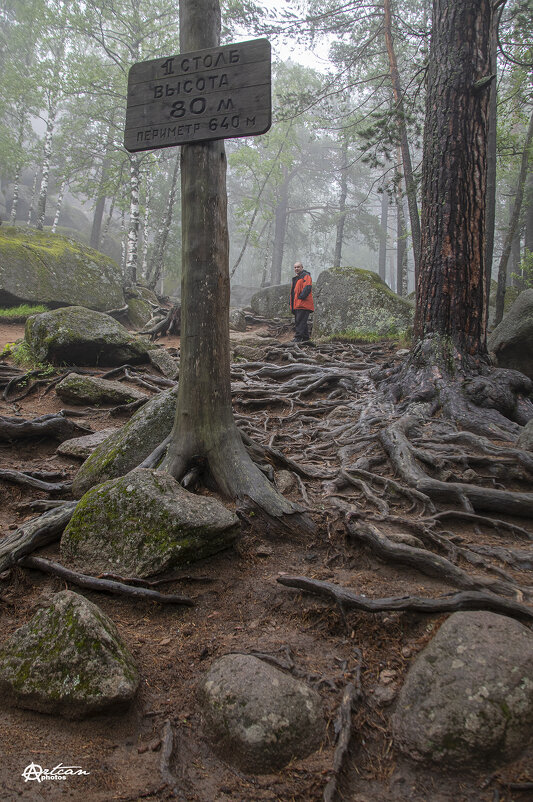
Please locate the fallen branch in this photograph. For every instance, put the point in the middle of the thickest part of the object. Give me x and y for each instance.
(57, 426)
(104, 585)
(465, 600)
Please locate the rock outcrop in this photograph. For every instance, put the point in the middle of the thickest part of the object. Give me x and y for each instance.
(353, 301)
(511, 342)
(44, 268)
(143, 524)
(76, 335)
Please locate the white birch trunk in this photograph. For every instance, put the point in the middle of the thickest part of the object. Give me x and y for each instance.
(123, 244)
(15, 200)
(59, 205)
(130, 273)
(47, 159)
(33, 190)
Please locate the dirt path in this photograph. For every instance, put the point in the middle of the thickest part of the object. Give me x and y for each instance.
(239, 607)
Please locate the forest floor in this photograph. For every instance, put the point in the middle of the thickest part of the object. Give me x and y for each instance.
(240, 607)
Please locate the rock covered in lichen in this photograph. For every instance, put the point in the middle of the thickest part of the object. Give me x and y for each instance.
(145, 523)
(468, 697)
(349, 300)
(68, 660)
(82, 336)
(76, 388)
(45, 268)
(272, 301)
(257, 716)
(128, 446)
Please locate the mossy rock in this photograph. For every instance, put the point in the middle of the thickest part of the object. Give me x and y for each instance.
(511, 342)
(82, 336)
(77, 388)
(127, 447)
(143, 524)
(349, 299)
(69, 660)
(41, 267)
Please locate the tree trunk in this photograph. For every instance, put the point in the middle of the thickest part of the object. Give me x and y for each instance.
(204, 434)
(133, 230)
(47, 158)
(59, 204)
(513, 224)
(158, 260)
(280, 229)
(342, 205)
(490, 205)
(528, 238)
(451, 297)
(410, 185)
(382, 258)
(101, 198)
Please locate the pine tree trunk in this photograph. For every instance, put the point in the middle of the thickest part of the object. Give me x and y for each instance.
(451, 297)
(204, 432)
(401, 244)
(491, 156)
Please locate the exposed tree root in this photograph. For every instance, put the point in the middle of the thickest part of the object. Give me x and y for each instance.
(34, 534)
(27, 480)
(103, 585)
(57, 426)
(465, 600)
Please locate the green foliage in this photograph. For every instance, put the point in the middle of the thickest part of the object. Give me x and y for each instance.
(22, 355)
(18, 314)
(524, 278)
(403, 338)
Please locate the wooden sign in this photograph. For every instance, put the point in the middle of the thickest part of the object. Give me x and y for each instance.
(216, 93)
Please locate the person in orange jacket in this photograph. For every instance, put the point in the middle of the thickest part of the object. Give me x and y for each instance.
(301, 302)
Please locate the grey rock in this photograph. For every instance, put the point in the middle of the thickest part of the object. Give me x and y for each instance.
(468, 696)
(45, 268)
(271, 302)
(349, 300)
(285, 481)
(130, 445)
(83, 447)
(165, 363)
(259, 717)
(79, 389)
(525, 438)
(237, 320)
(241, 295)
(69, 660)
(83, 336)
(143, 524)
(511, 342)
(141, 303)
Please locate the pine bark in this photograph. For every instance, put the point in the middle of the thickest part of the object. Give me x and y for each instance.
(451, 297)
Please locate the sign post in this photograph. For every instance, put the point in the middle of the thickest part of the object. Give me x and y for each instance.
(216, 93)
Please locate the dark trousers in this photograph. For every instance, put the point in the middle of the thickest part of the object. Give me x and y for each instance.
(301, 316)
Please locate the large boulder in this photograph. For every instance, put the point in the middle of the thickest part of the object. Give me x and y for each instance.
(258, 717)
(141, 303)
(82, 336)
(45, 268)
(143, 524)
(241, 295)
(349, 300)
(77, 388)
(271, 302)
(130, 445)
(468, 696)
(511, 342)
(69, 660)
